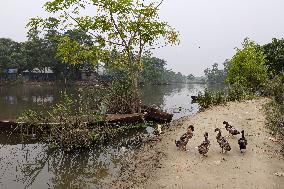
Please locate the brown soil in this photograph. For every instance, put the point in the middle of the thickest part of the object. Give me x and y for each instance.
(159, 164)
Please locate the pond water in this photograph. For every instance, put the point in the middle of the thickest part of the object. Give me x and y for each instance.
(35, 166)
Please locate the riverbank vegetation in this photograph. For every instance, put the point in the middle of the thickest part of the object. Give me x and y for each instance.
(252, 72)
(73, 123)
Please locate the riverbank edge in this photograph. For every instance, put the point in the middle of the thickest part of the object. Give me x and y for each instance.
(149, 157)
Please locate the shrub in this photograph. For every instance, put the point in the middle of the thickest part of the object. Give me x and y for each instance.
(231, 93)
(247, 67)
(65, 125)
(275, 88)
(275, 117)
(275, 109)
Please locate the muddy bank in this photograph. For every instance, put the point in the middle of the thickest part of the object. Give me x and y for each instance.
(159, 164)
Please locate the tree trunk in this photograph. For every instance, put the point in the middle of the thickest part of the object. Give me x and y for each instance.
(136, 95)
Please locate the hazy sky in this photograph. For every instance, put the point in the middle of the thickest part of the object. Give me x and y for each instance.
(216, 26)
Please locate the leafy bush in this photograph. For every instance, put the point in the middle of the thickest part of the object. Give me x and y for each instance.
(274, 53)
(64, 126)
(120, 97)
(219, 98)
(275, 109)
(275, 88)
(205, 100)
(275, 117)
(231, 93)
(247, 67)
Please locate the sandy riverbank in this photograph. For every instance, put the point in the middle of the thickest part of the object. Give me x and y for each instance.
(160, 164)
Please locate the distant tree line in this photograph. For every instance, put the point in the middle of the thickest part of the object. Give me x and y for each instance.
(155, 72)
(216, 75)
(42, 52)
(37, 53)
(250, 71)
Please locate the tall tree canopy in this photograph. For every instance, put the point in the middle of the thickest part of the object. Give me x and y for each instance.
(132, 27)
(10, 54)
(247, 67)
(274, 53)
(153, 70)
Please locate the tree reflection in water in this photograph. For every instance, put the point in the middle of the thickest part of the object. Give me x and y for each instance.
(34, 166)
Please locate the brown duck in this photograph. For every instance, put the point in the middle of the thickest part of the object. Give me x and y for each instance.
(203, 148)
(223, 143)
(182, 142)
(232, 130)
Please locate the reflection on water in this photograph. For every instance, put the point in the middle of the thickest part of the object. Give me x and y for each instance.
(175, 99)
(35, 166)
(15, 99)
(32, 166)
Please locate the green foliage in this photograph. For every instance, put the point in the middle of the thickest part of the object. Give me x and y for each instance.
(275, 88)
(65, 125)
(172, 77)
(190, 77)
(247, 68)
(36, 54)
(11, 54)
(239, 92)
(210, 98)
(107, 134)
(275, 117)
(215, 75)
(220, 97)
(205, 100)
(274, 110)
(154, 72)
(120, 98)
(274, 53)
(41, 52)
(132, 27)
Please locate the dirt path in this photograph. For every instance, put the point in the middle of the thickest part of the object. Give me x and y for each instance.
(162, 165)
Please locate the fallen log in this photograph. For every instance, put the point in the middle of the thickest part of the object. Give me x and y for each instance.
(156, 115)
(149, 114)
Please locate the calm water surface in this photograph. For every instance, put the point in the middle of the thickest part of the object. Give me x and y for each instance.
(34, 166)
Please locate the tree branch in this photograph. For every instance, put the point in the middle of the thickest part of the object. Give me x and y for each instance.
(117, 29)
(92, 34)
(160, 4)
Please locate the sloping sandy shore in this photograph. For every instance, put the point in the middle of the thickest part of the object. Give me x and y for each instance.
(160, 164)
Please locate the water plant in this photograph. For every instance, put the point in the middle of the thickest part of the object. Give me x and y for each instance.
(65, 125)
(71, 124)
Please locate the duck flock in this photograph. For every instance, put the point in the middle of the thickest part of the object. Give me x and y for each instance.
(203, 148)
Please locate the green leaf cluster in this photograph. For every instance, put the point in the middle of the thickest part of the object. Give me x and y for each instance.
(130, 26)
(248, 67)
(274, 53)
